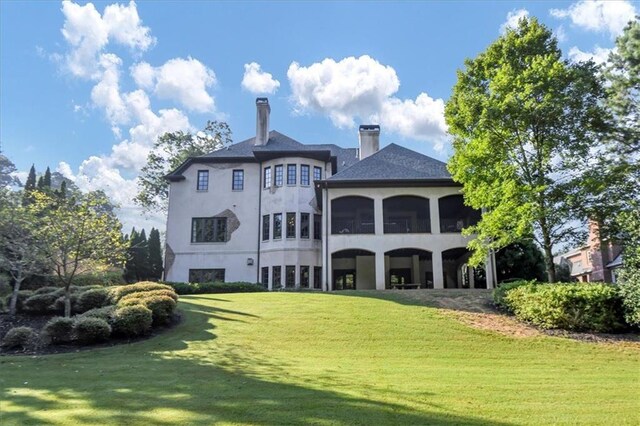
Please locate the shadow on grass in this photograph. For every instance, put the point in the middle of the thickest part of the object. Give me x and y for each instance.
(154, 383)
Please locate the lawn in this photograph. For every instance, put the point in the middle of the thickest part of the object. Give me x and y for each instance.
(291, 358)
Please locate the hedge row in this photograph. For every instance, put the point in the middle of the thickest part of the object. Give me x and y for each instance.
(569, 306)
(216, 287)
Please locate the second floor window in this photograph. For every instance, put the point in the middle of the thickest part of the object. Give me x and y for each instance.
(267, 177)
(304, 174)
(291, 225)
(304, 225)
(203, 180)
(265, 227)
(277, 225)
(278, 170)
(208, 229)
(291, 174)
(238, 180)
(317, 173)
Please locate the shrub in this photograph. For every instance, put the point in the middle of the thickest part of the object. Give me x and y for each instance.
(130, 321)
(104, 313)
(89, 330)
(162, 307)
(59, 330)
(100, 279)
(119, 292)
(40, 303)
(5, 286)
(22, 296)
(58, 306)
(576, 306)
(501, 291)
(46, 290)
(93, 298)
(20, 337)
(216, 287)
(169, 293)
(630, 292)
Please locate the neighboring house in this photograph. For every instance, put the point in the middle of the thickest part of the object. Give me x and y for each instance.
(594, 261)
(289, 215)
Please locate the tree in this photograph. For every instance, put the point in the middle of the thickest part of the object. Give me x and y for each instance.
(155, 255)
(522, 259)
(7, 168)
(29, 186)
(75, 232)
(141, 254)
(20, 253)
(170, 151)
(130, 264)
(47, 178)
(523, 122)
(40, 185)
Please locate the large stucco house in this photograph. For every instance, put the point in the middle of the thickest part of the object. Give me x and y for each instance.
(291, 215)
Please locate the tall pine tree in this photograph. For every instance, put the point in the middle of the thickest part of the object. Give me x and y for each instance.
(29, 186)
(130, 263)
(142, 257)
(47, 179)
(155, 255)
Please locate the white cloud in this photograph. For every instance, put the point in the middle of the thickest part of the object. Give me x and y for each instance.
(560, 34)
(88, 33)
(513, 18)
(106, 93)
(599, 55)
(598, 15)
(182, 80)
(362, 88)
(257, 81)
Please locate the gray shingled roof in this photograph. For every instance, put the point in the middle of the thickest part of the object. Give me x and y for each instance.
(394, 162)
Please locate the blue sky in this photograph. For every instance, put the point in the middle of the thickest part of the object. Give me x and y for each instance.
(77, 80)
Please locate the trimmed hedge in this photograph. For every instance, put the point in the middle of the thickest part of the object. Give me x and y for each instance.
(575, 306)
(22, 296)
(162, 307)
(169, 293)
(59, 330)
(41, 303)
(117, 293)
(93, 298)
(501, 291)
(20, 337)
(104, 313)
(46, 290)
(89, 330)
(101, 279)
(132, 321)
(216, 287)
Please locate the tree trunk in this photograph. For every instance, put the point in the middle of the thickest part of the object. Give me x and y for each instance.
(67, 302)
(14, 297)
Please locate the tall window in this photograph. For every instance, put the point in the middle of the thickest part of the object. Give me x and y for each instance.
(238, 180)
(291, 174)
(304, 276)
(278, 170)
(317, 173)
(203, 180)
(267, 177)
(277, 276)
(206, 275)
(304, 174)
(291, 225)
(208, 229)
(265, 276)
(304, 225)
(317, 277)
(277, 225)
(290, 276)
(317, 227)
(265, 227)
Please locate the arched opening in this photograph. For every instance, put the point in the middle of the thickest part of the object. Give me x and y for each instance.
(454, 215)
(406, 214)
(353, 269)
(408, 268)
(457, 273)
(352, 215)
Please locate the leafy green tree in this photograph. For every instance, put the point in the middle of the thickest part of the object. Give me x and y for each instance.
(155, 255)
(522, 259)
(630, 275)
(523, 122)
(7, 168)
(20, 251)
(170, 151)
(76, 232)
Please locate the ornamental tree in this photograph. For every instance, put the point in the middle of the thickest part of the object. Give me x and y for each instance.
(524, 122)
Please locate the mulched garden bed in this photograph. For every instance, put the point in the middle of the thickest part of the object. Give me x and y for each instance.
(37, 322)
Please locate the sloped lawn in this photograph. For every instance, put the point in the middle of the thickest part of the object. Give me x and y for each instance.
(288, 358)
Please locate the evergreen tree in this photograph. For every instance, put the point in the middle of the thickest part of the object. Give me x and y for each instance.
(47, 178)
(142, 257)
(40, 184)
(130, 263)
(155, 255)
(29, 186)
(62, 192)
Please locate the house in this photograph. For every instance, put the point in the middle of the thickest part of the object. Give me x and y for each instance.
(290, 215)
(594, 261)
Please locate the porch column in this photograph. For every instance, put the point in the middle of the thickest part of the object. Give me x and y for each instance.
(326, 256)
(472, 278)
(434, 214)
(378, 217)
(380, 273)
(436, 261)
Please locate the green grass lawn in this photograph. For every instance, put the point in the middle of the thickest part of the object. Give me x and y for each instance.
(291, 358)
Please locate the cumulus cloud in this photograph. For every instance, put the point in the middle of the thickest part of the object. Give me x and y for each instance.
(363, 89)
(598, 15)
(599, 55)
(513, 18)
(182, 80)
(257, 81)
